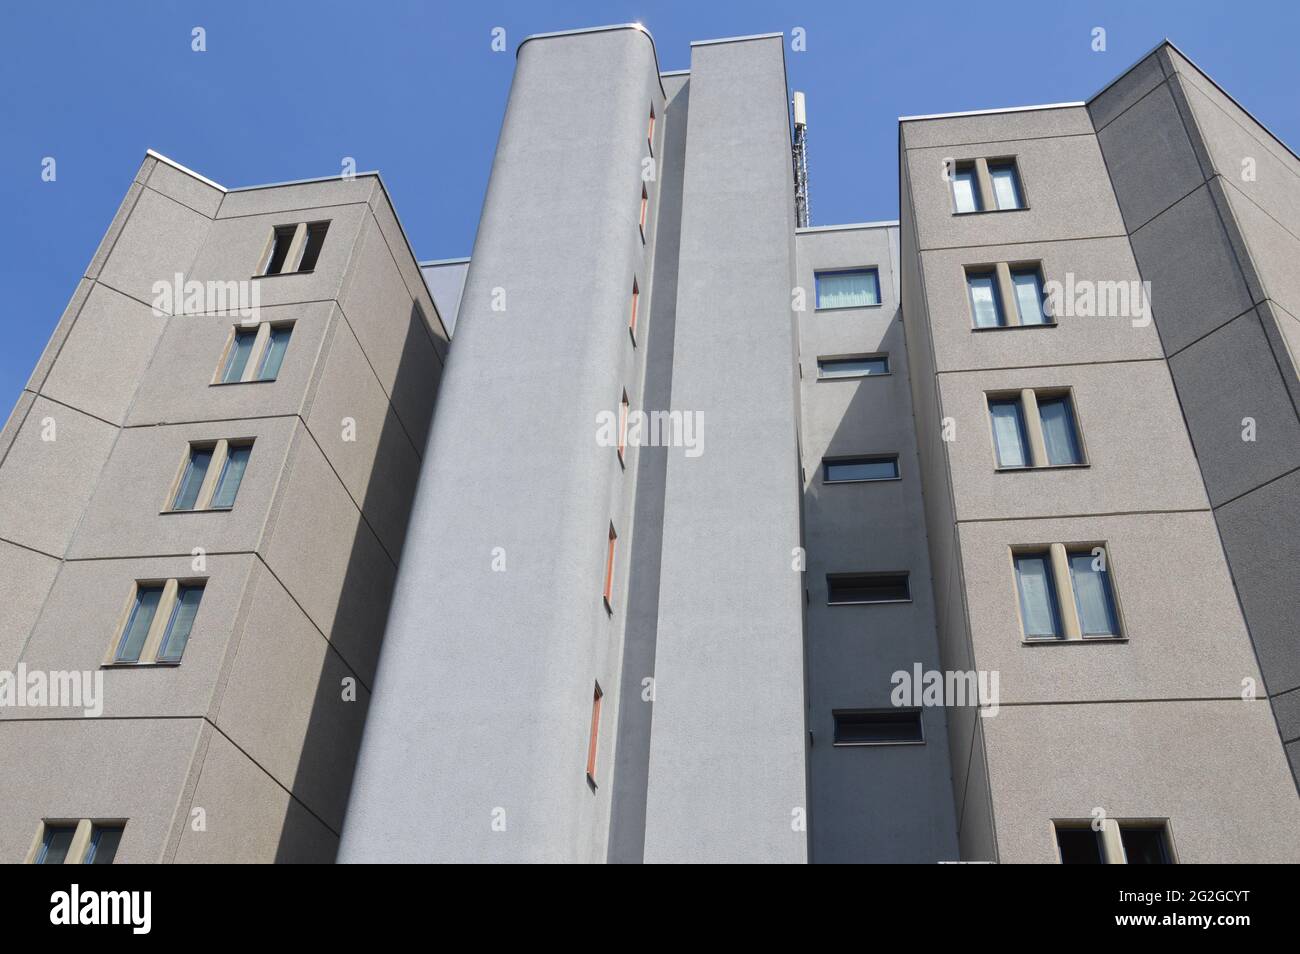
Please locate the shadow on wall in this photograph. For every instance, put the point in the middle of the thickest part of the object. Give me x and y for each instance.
(333, 736)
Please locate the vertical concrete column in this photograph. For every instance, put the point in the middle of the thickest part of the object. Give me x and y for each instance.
(1033, 428)
(1065, 592)
(727, 747)
(988, 200)
(1010, 304)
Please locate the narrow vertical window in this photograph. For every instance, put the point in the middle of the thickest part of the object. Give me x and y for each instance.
(196, 469)
(181, 623)
(985, 302)
(1145, 845)
(1059, 433)
(311, 250)
(240, 348)
(281, 239)
(1009, 438)
(1039, 612)
(636, 295)
(1079, 846)
(276, 343)
(1006, 185)
(1029, 296)
(965, 189)
(645, 208)
(55, 844)
(609, 569)
(232, 473)
(594, 740)
(622, 425)
(138, 623)
(1093, 596)
(650, 130)
(104, 840)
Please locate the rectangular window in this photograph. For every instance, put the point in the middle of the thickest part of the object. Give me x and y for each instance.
(622, 425)
(877, 726)
(281, 240)
(232, 473)
(645, 208)
(1093, 598)
(237, 357)
(846, 470)
(277, 341)
(1059, 434)
(196, 470)
(650, 131)
(311, 249)
(181, 623)
(104, 840)
(55, 844)
(593, 742)
(1039, 611)
(1028, 284)
(1006, 184)
(851, 588)
(985, 301)
(138, 623)
(853, 367)
(965, 188)
(631, 324)
(1009, 438)
(1114, 843)
(609, 570)
(859, 288)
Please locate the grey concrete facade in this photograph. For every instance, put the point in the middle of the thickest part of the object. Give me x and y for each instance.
(449, 593)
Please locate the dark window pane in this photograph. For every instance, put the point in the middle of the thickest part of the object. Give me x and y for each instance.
(103, 845)
(1079, 846)
(181, 623)
(1144, 846)
(54, 847)
(187, 494)
(852, 367)
(232, 473)
(280, 248)
(311, 251)
(137, 625)
(867, 587)
(876, 726)
(276, 344)
(238, 359)
(860, 468)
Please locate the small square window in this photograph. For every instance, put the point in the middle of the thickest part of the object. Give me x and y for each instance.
(877, 726)
(846, 470)
(852, 588)
(856, 288)
(1145, 844)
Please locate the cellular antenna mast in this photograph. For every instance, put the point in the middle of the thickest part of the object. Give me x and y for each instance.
(802, 211)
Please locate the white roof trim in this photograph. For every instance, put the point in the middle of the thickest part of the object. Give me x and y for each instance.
(737, 39)
(990, 112)
(884, 224)
(189, 172)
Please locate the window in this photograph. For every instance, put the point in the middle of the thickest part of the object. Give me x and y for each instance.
(78, 842)
(877, 726)
(609, 570)
(1028, 285)
(622, 426)
(859, 288)
(650, 131)
(1065, 591)
(254, 354)
(985, 302)
(294, 248)
(851, 588)
(1114, 843)
(848, 470)
(859, 366)
(645, 209)
(158, 623)
(594, 740)
(631, 324)
(1006, 184)
(965, 189)
(1034, 429)
(227, 459)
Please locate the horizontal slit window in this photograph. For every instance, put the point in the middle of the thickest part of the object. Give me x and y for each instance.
(853, 367)
(854, 469)
(845, 588)
(877, 726)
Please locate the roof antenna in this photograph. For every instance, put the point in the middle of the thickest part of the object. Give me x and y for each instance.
(802, 212)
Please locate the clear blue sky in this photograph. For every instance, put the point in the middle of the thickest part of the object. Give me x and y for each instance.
(286, 89)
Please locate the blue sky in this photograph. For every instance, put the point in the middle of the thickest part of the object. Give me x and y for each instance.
(285, 90)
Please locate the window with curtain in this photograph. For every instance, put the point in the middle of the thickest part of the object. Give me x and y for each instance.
(1093, 595)
(138, 624)
(237, 360)
(965, 190)
(232, 473)
(276, 343)
(855, 289)
(1039, 612)
(985, 303)
(187, 494)
(181, 623)
(1059, 433)
(1006, 185)
(1009, 439)
(1029, 296)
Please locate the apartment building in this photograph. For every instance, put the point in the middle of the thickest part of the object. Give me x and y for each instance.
(206, 509)
(705, 501)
